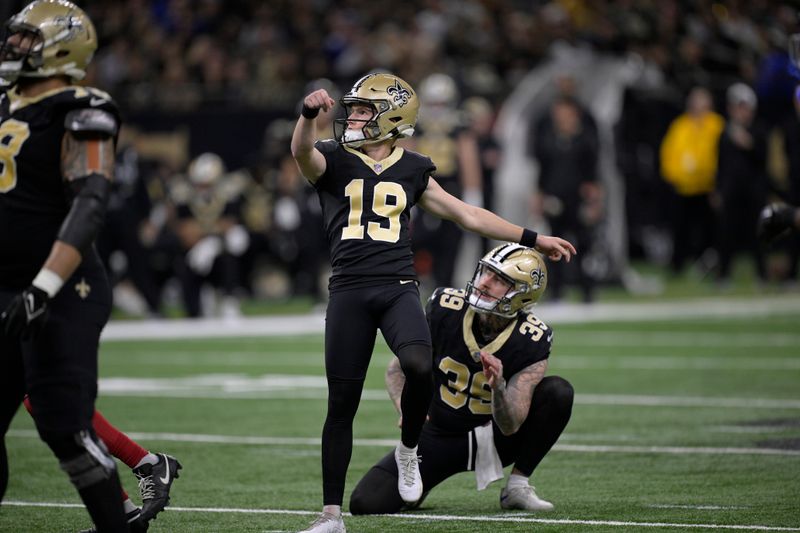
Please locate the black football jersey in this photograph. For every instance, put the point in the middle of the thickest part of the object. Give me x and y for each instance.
(33, 197)
(462, 398)
(366, 206)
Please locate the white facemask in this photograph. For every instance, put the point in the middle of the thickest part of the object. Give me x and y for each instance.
(353, 135)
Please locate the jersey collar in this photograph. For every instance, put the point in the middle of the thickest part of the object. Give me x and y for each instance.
(17, 101)
(472, 344)
(377, 166)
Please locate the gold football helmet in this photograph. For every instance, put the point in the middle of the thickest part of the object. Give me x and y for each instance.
(522, 268)
(55, 37)
(395, 106)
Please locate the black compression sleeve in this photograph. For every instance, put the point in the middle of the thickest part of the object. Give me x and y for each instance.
(88, 211)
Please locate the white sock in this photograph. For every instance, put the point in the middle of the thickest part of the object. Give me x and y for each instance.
(335, 510)
(128, 506)
(402, 448)
(515, 480)
(149, 459)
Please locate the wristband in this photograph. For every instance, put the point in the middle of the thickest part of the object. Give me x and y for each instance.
(309, 112)
(528, 238)
(48, 281)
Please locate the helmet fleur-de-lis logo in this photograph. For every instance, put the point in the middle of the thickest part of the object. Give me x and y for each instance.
(537, 276)
(71, 24)
(399, 94)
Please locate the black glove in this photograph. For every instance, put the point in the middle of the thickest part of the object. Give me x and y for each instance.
(774, 220)
(26, 314)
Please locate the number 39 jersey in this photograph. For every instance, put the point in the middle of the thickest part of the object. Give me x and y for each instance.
(462, 398)
(366, 206)
(33, 194)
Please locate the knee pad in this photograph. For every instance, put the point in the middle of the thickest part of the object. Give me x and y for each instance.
(557, 390)
(82, 456)
(416, 360)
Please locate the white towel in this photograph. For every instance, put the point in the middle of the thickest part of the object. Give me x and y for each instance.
(488, 466)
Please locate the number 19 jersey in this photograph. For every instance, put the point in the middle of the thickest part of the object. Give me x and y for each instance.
(366, 206)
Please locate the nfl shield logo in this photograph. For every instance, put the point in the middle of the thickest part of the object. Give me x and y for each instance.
(378, 167)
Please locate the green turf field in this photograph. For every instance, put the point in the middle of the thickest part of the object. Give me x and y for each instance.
(681, 425)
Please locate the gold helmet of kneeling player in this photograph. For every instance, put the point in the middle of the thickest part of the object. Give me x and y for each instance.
(523, 270)
(47, 38)
(394, 104)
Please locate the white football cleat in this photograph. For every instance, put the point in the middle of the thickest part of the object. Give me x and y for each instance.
(409, 482)
(326, 523)
(523, 498)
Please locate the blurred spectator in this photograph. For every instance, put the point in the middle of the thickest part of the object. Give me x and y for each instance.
(207, 206)
(480, 117)
(689, 155)
(565, 143)
(134, 221)
(443, 135)
(741, 181)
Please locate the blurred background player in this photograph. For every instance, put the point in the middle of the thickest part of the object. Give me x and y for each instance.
(57, 145)
(207, 220)
(490, 357)
(442, 133)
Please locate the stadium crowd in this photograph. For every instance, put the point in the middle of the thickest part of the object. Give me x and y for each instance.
(255, 225)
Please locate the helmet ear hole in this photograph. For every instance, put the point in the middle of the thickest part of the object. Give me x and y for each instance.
(62, 53)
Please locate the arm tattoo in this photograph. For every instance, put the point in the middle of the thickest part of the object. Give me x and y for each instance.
(395, 380)
(510, 404)
(83, 156)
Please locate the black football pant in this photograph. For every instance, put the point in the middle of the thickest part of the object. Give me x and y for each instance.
(58, 370)
(445, 454)
(352, 322)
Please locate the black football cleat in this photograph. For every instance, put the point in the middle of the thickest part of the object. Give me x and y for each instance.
(135, 523)
(154, 484)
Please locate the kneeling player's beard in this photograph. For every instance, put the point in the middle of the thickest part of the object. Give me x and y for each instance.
(491, 325)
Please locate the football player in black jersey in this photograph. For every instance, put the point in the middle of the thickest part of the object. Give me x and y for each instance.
(56, 165)
(367, 187)
(492, 406)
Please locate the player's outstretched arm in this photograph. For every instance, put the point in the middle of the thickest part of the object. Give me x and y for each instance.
(511, 401)
(309, 160)
(478, 220)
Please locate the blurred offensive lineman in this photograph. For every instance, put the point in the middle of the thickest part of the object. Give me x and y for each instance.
(367, 187)
(492, 406)
(57, 159)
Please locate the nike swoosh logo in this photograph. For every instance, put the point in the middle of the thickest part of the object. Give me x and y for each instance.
(165, 480)
(97, 101)
(550, 338)
(404, 281)
(30, 304)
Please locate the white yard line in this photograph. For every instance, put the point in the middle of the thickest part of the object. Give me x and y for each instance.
(555, 313)
(521, 519)
(697, 507)
(315, 441)
(311, 387)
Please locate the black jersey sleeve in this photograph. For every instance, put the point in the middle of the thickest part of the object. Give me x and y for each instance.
(327, 148)
(91, 122)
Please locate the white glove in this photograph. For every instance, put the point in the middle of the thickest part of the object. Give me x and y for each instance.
(201, 256)
(237, 240)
